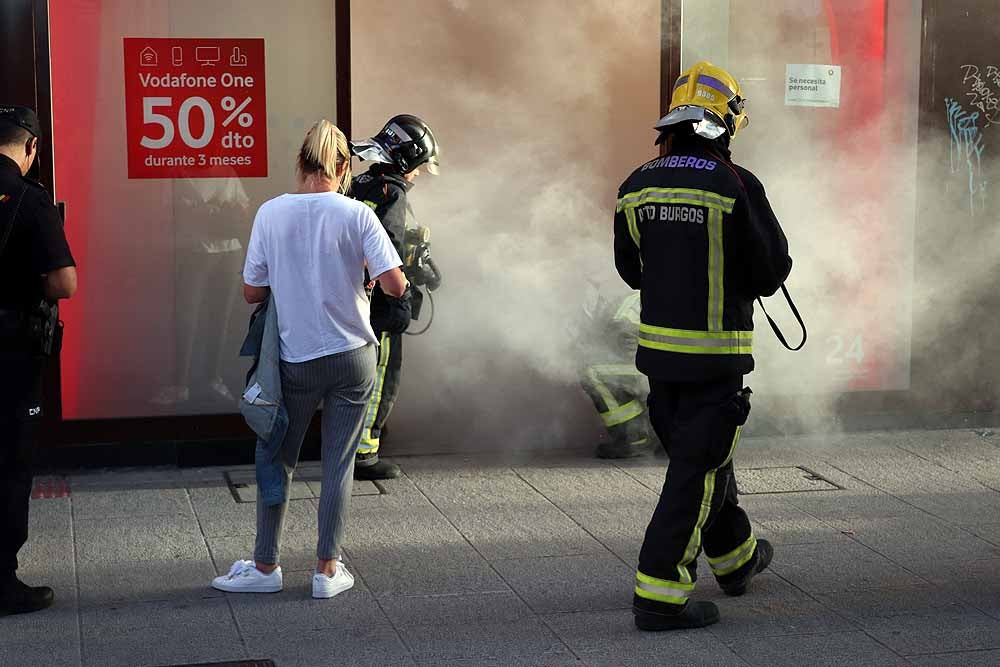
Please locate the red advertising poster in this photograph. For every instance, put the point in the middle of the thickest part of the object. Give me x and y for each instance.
(195, 108)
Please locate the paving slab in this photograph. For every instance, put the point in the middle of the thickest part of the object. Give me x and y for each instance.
(771, 608)
(61, 652)
(376, 646)
(124, 539)
(918, 620)
(148, 634)
(839, 566)
(958, 659)
(103, 582)
(485, 626)
(603, 638)
(817, 650)
(416, 552)
(294, 611)
(99, 504)
(570, 583)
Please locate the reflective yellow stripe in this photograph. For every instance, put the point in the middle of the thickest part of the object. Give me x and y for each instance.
(370, 204)
(368, 444)
(694, 543)
(602, 389)
(629, 310)
(688, 341)
(712, 200)
(662, 590)
(633, 227)
(735, 559)
(625, 413)
(716, 270)
(732, 448)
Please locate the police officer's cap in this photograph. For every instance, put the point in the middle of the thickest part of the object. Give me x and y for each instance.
(22, 117)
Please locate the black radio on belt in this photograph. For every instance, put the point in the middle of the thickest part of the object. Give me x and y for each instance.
(34, 331)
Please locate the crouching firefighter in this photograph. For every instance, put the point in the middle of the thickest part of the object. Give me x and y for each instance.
(696, 235)
(617, 390)
(401, 150)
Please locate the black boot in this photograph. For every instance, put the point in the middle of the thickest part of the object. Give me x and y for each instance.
(369, 467)
(736, 584)
(694, 614)
(19, 598)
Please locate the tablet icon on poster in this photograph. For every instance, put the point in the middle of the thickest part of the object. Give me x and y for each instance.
(238, 59)
(148, 57)
(207, 55)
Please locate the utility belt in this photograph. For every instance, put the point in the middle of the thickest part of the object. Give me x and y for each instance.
(36, 331)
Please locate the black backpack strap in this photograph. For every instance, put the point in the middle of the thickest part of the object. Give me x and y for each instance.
(774, 326)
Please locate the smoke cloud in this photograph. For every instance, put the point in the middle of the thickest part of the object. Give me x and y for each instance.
(543, 110)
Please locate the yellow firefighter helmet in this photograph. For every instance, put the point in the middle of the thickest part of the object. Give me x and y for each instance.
(710, 98)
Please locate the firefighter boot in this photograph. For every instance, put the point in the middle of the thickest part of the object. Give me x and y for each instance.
(369, 467)
(19, 598)
(737, 583)
(694, 614)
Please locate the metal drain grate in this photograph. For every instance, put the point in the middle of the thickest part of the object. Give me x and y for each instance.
(243, 486)
(785, 479)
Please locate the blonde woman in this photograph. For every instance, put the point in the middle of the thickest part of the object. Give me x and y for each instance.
(309, 249)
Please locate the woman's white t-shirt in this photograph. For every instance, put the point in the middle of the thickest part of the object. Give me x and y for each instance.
(311, 250)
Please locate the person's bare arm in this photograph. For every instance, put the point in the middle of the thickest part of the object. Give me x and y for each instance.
(60, 284)
(393, 282)
(255, 294)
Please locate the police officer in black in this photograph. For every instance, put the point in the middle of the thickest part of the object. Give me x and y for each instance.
(36, 270)
(696, 235)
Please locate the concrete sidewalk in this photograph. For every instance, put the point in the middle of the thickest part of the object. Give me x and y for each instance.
(887, 552)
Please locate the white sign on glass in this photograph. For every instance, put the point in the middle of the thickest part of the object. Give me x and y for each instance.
(812, 86)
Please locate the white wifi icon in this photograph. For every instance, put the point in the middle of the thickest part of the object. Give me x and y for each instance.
(148, 57)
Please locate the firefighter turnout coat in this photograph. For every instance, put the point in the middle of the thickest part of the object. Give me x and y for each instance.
(695, 233)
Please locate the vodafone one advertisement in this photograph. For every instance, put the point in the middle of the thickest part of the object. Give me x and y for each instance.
(195, 108)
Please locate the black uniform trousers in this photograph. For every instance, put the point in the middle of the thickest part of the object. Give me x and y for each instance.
(20, 410)
(700, 425)
(383, 398)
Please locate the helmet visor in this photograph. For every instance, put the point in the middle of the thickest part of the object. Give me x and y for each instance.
(371, 150)
(706, 123)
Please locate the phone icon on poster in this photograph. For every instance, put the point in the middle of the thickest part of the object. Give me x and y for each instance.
(177, 56)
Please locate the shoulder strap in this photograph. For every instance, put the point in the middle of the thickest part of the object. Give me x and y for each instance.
(774, 326)
(10, 227)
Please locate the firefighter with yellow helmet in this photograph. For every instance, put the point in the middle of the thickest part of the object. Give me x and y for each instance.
(696, 235)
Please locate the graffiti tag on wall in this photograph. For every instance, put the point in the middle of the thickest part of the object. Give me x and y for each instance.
(967, 140)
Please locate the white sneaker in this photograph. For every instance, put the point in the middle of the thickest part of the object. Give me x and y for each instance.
(326, 587)
(244, 577)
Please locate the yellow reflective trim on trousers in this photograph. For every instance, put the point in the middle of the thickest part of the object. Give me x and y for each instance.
(662, 590)
(735, 559)
(633, 226)
(625, 413)
(676, 196)
(697, 334)
(732, 448)
(368, 444)
(716, 271)
(602, 389)
(694, 349)
(694, 543)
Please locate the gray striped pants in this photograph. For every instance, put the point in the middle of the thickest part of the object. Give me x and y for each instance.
(344, 383)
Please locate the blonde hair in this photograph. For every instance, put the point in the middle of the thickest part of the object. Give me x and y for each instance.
(323, 152)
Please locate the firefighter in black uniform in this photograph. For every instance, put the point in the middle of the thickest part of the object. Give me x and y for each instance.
(695, 233)
(36, 269)
(400, 150)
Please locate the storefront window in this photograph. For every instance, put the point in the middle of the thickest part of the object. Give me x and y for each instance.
(832, 90)
(173, 121)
